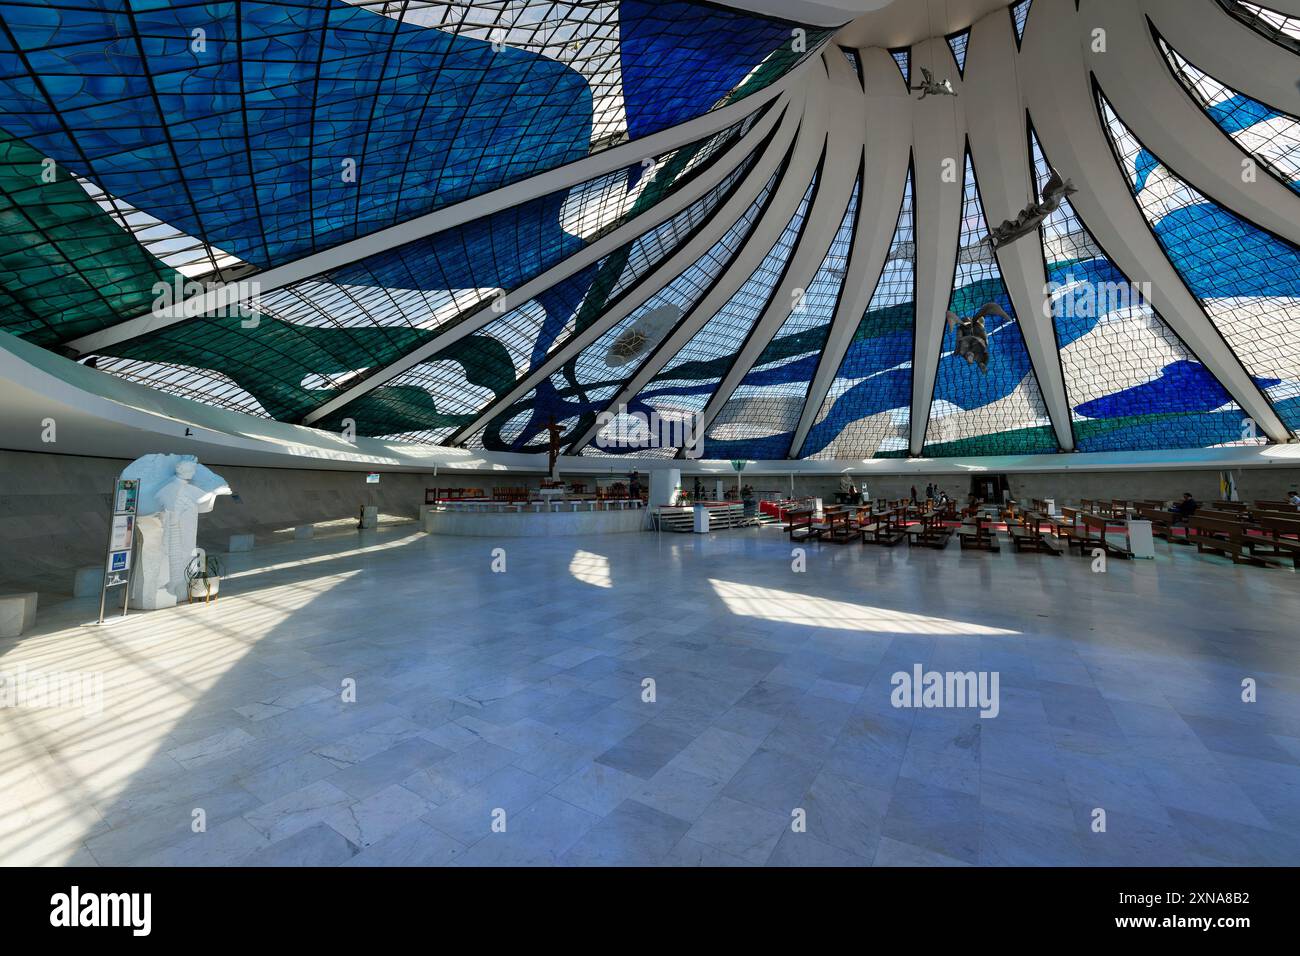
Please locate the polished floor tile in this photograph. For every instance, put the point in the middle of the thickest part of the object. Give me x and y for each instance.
(386, 699)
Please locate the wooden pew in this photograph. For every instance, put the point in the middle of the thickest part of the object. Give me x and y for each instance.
(787, 515)
(979, 535)
(1027, 535)
(1280, 538)
(1241, 517)
(837, 527)
(930, 533)
(1094, 527)
(1227, 538)
(1263, 505)
(1159, 518)
(1071, 528)
(886, 529)
(802, 526)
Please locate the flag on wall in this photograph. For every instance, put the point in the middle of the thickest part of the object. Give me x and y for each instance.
(1227, 486)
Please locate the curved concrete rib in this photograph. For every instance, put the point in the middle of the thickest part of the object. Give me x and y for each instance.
(887, 113)
(1149, 99)
(785, 201)
(724, 217)
(483, 314)
(839, 173)
(1069, 127)
(1228, 50)
(1000, 153)
(938, 132)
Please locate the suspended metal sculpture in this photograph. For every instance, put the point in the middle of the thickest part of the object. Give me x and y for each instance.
(1031, 217)
(642, 336)
(972, 337)
(932, 87)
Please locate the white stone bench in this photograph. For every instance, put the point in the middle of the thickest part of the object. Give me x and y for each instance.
(17, 613)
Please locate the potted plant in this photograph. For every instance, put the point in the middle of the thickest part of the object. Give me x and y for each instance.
(203, 575)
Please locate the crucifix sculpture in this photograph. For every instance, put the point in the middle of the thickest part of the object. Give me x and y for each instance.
(552, 446)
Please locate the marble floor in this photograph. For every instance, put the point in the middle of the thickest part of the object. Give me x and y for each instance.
(500, 716)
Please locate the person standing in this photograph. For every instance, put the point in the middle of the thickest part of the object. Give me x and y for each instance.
(634, 486)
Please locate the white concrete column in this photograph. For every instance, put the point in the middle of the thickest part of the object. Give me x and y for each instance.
(664, 483)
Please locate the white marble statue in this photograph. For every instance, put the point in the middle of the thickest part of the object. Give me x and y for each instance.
(174, 491)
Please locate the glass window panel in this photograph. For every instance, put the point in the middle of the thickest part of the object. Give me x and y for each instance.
(867, 409)
(975, 412)
(759, 419)
(1131, 382)
(1246, 279)
(679, 392)
(574, 394)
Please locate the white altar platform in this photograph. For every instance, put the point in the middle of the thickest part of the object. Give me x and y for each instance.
(490, 519)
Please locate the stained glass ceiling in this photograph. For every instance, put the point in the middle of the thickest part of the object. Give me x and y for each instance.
(152, 151)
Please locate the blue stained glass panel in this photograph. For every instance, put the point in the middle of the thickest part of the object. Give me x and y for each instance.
(1001, 411)
(867, 409)
(574, 394)
(679, 392)
(759, 419)
(1246, 279)
(1270, 136)
(288, 128)
(1131, 382)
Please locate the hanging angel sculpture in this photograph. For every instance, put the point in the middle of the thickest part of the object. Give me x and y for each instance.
(1032, 216)
(972, 337)
(932, 87)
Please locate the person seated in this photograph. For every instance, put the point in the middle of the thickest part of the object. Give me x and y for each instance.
(1186, 508)
(1293, 496)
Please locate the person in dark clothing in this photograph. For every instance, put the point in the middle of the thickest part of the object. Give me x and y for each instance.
(1185, 508)
(634, 486)
(914, 494)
